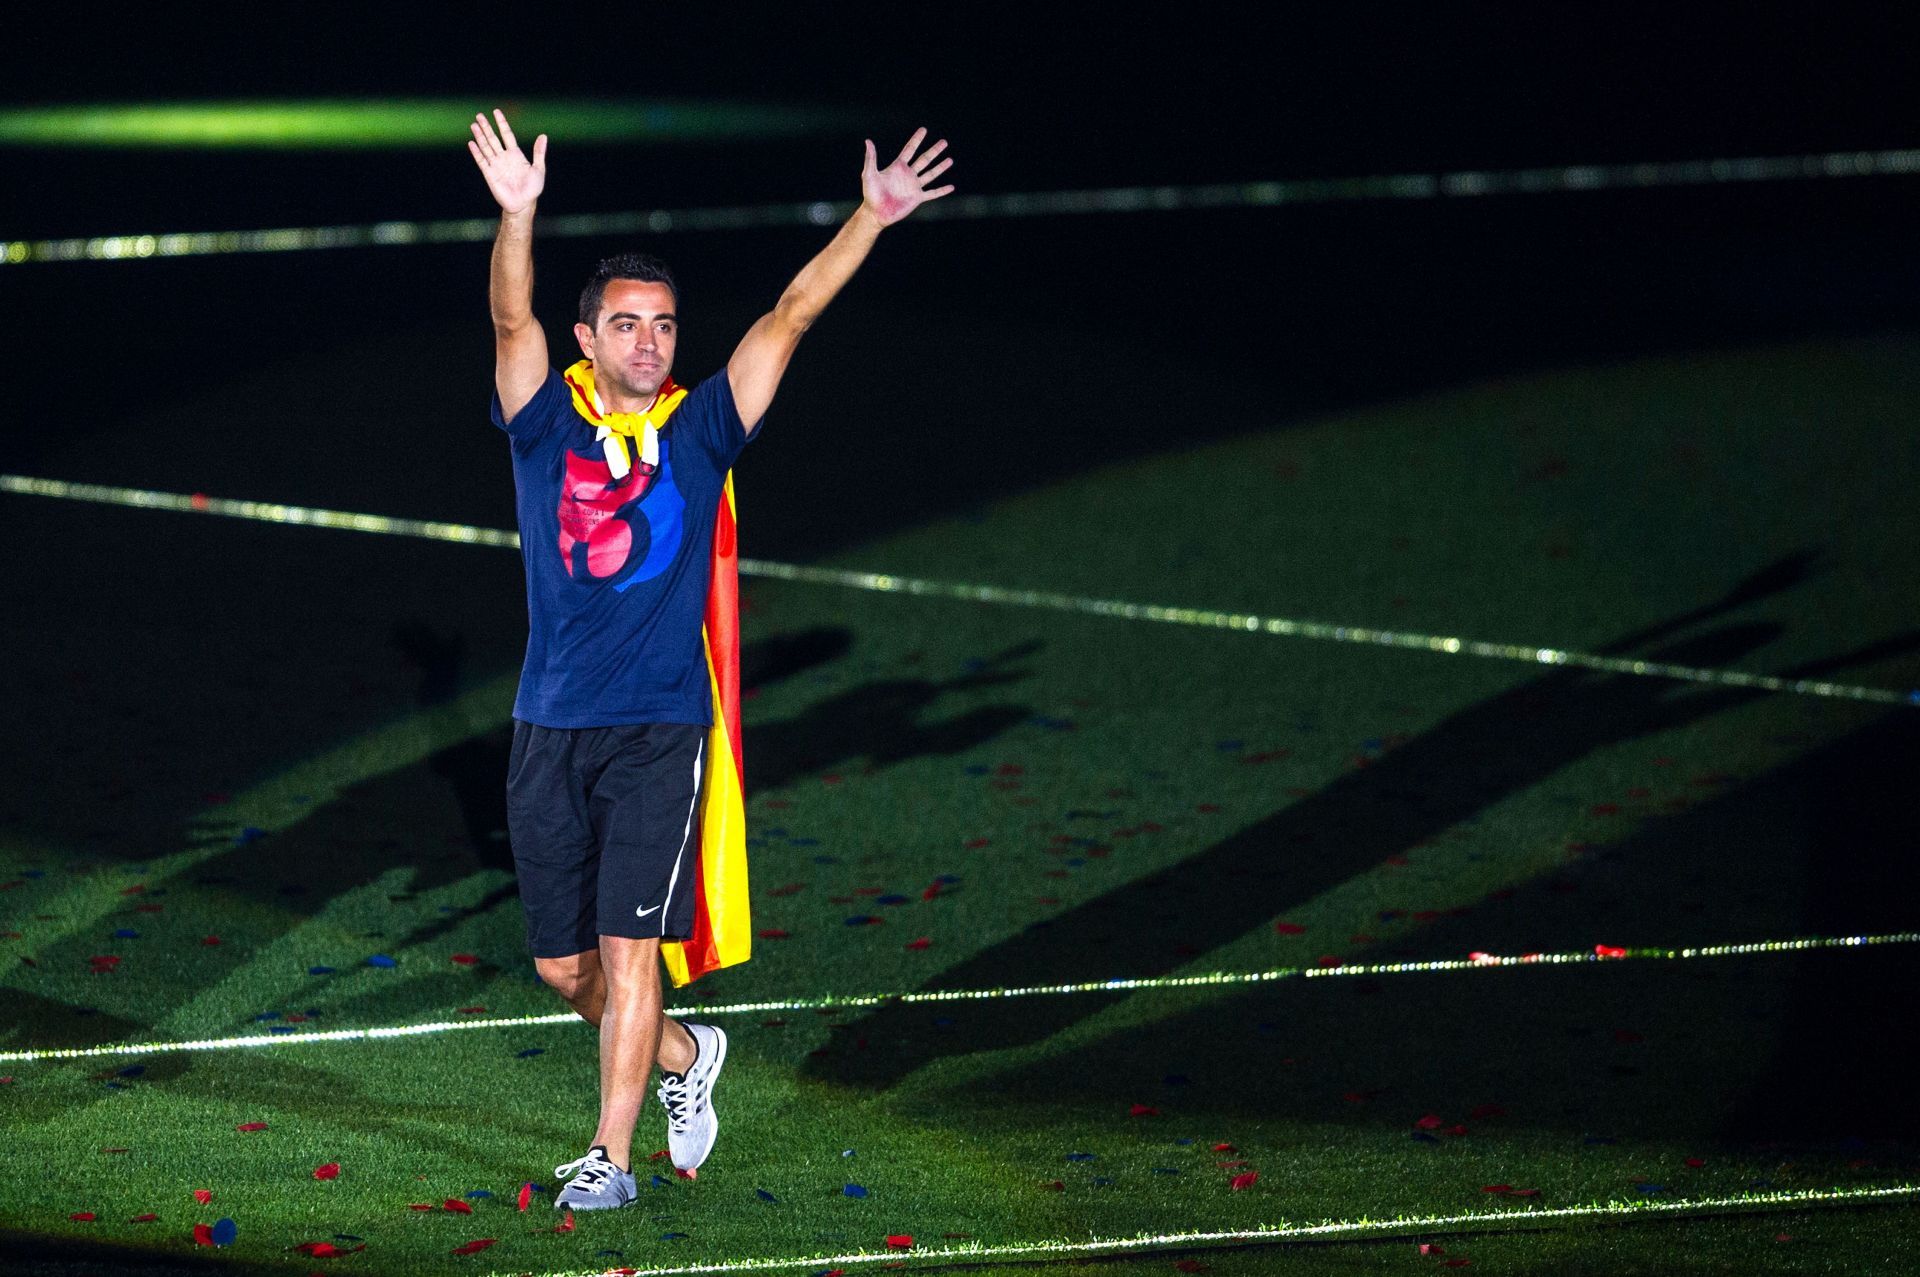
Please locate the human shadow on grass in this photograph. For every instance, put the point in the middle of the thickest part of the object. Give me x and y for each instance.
(1796, 1048)
(1471, 761)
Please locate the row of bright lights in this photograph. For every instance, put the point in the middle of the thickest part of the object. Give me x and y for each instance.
(1477, 962)
(1469, 183)
(1403, 1226)
(884, 583)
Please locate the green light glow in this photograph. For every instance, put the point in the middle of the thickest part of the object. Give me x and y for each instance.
(338, 124)
(1120, 199)
(1477, 962)
(885, 583)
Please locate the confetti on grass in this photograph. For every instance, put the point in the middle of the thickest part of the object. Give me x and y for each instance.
(330, 1170)
(456, 1205)
(853, 1190)
(203, 1195)
(248, 1128)
(900, 1241)
(526, 1194)
(475, 1247)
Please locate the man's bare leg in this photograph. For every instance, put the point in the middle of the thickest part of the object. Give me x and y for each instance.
(618, 988)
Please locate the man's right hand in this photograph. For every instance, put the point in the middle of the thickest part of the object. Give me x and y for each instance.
(515, 182)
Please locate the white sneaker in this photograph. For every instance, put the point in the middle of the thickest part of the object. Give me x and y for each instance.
(688, 1099)
(597, 1183)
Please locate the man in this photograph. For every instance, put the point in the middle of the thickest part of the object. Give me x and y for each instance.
(619, 475)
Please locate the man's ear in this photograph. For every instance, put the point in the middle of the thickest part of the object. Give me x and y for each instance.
(584, 335)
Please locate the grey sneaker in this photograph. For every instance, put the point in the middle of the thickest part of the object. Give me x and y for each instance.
(688, 1099)
(597, 1183)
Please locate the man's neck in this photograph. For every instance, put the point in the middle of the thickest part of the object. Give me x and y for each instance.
(612, 400)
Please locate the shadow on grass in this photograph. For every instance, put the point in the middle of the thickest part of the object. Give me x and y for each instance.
(1481, 755)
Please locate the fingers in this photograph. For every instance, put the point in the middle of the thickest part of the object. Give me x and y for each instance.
(937, 193)
(506, 130)
(906, 152)
(872, 164)
(920, 165)
(483, 134)
(936, 170)
(540, 153)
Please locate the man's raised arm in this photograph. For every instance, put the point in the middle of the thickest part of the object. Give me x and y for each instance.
(519, 345)
(887, 196)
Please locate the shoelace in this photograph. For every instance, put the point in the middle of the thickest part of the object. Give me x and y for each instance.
(595, 1173)
(677, 1100)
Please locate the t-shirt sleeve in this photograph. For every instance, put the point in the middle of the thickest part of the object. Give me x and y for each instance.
(708, 419)
(536, 419)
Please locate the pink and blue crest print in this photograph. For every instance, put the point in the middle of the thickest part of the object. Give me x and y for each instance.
(606, 524)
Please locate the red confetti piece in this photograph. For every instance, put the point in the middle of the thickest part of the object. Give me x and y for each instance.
(457, 1206)
(475, 1247)
(330, 1170)
(1225, 1148)
(82, 1217)
(1328, 960)
(974, 844)
(1497, 1188)
(1609, 951)
(686, 1174)
(1246, 1180)
(419, 1205)
(565, 1225)
(209, 941)
(203, 1195)
(773, 933)
(900, 1241)
(134, 890)
(930, 892)
(464, 959)
(656, 1156)
(248, 1128)
(1432, 1248)
(147, 1218)
(1289, 928)
(1054, 1185)
(203, 1234)
(480, 1010)
(920, 943)
(1696, 1162)
(318, 1250)
(1431, 1121)
(526, 1194)
(1143, 1110)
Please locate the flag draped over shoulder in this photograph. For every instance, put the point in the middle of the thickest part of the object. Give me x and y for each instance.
(722, 927)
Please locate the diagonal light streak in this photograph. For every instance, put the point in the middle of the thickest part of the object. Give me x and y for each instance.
(888, 583)
(1459, 184)
(1477, 962)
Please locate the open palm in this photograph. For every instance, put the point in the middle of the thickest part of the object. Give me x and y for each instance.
(895, 191)
(515, 181)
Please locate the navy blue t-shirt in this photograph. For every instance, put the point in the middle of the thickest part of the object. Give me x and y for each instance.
(617, 573)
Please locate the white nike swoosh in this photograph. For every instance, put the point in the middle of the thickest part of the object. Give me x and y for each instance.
(641, 913)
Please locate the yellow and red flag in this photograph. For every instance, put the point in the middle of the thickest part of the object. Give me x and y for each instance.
(722, 928)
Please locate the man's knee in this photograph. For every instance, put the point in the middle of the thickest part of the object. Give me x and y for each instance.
(632, 967)
(572, 977)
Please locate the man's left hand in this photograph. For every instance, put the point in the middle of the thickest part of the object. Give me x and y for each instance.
(895, 191)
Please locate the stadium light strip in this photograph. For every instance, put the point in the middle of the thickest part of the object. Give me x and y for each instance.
(887, 583)
(1405, 1225)
(1461, 184)
(1217, 979)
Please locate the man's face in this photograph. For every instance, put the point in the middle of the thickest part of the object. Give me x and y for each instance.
(632, 344)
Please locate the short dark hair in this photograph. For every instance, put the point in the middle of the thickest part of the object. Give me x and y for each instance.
(641, 266)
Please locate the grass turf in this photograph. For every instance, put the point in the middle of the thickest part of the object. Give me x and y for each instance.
(1090, 798)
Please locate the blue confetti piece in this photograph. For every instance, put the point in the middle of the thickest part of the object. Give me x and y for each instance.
(673, 1237)
(319, 970)
(1388, 915)
(806, 842)
(1374, 743)
(891, 900)
(1079, 1157)
(1228, 746)
(658, 1182)
(947, 880)
(765, 1196)
(133, 1070)
(381, 960)
(777, 831)
(1650, 1190)
(126, 933)
(280, 1028)
(224, 1231)
(1183, 1143)
(1425, 1138)
(943, 1022)
(268, 1015)
(1076, 862)
(530, 1052)
(34, 873)
(846, 1152)
(347, 1237)
(480, 1192)
(977, 769)
(116, 1086)
(853, 1190)
(861, 920)
(538, 1188)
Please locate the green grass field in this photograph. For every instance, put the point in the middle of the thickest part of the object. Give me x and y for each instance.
(241, 804)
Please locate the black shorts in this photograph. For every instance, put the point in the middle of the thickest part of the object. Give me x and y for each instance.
(602, 822)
